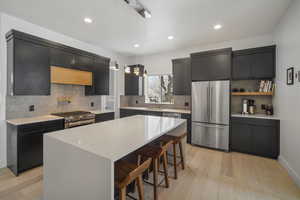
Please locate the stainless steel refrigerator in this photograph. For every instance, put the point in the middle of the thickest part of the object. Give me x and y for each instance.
(210, 114)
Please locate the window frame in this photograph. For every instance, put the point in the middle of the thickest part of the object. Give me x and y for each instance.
(161, 90)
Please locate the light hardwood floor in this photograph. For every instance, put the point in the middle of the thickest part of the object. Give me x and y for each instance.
(210, 175)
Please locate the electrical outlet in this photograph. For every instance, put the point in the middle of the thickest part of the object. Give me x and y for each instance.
(186, 104)
(92, 104)
(31, 108)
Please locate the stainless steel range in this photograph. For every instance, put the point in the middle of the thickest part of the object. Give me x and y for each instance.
(77, 118)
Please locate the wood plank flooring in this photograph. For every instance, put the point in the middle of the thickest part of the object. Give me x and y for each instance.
(209, 175)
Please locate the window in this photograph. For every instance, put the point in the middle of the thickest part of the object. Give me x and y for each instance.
(159, 89)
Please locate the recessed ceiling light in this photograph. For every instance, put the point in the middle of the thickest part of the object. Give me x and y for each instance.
(88, 20)
(171, 37)
(217, 26)
(136, 45)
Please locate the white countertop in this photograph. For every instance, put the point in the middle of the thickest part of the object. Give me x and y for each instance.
(182, 111)
(44, 118)
(258, 116)
(30, 120)
(117, 138)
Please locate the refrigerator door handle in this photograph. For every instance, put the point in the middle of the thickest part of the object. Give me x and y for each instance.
(208, 103)
(211, 126)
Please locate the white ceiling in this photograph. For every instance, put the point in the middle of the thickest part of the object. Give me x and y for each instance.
(118, 27)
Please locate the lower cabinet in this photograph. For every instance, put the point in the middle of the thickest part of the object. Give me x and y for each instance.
(102, 117)
(25, 144)
(189, 126)
(255, 136)
(129, 112)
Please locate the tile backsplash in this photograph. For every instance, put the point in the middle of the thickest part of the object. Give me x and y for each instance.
(18, 106)
(139, 101)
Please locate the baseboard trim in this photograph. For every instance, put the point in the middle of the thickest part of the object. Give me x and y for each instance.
(290, 170)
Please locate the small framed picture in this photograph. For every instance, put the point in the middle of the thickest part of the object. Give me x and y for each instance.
(290, 76)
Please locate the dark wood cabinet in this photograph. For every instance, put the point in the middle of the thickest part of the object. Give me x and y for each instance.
(61, 58)
(29, 63)
(241, 67)
(255, 136)
(241, 137)
(100, 69)
(29, 59)
(131, 112)
(83, 62)
(211, 65)
(134, 84)
(188, 117)
(182, 76)
(257, 63)
(25, 144)
(102, 117)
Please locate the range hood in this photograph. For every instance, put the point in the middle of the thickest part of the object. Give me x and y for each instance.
(61, 75)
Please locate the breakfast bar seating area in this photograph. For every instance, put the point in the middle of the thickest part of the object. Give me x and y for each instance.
(157, 153)
(99, 151)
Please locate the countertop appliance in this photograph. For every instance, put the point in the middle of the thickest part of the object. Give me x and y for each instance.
(251, 106)
(210, 114)
(245, 106)
(76, 118)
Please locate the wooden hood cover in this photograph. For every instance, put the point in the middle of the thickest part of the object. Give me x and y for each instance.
(71, 76)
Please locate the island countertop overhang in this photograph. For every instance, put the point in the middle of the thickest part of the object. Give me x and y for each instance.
(117, 138)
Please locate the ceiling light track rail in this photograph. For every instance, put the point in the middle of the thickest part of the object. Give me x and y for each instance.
(139, 8)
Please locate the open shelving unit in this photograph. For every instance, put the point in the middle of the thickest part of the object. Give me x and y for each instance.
(252, 93)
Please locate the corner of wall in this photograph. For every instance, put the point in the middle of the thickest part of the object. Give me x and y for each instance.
(291, 171)
(2, 96)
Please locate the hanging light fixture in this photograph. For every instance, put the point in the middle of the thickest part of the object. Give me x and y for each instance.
(145, 73)
(139, 8)
(136, 71)
(127, 70)
(114, 65)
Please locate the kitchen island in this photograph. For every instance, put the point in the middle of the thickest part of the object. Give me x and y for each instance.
(79, 162)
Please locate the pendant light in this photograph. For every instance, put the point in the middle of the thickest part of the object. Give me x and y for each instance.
(145, 73)
(127, 70)
(114, 65)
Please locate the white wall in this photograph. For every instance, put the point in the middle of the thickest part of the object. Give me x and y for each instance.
(287, 99)
(2, 101)
(7, 23)
(161, 63)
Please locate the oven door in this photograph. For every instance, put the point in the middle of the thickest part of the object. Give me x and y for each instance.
(79, 123)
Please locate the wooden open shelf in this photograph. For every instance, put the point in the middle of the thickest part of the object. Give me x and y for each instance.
(252, 93)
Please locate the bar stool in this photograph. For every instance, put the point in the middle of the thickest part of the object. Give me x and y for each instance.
(156, 152)
(176, 140)
(127, 172)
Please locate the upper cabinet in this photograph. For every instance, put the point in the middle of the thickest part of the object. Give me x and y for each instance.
(182, 76)
(30, 58)
(211, 65)
(257, 63)
(100, 69)
(28, 66)
(61, 58)
(134, 84)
